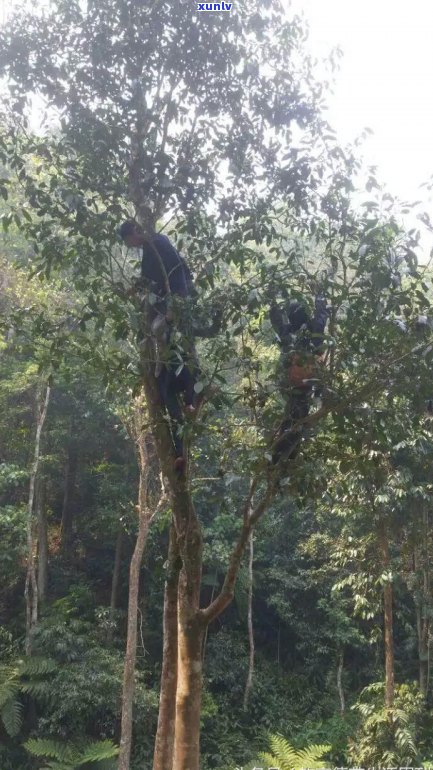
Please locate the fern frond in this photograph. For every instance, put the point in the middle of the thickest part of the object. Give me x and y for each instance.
(46, 747)
(312, 756)
(285, 754)
(285, 757)
(398, 715)
(11, 714)
(68, 756)
(269, 761)
(9, 683)
(34, 688)
(97, 751)
(37, 666)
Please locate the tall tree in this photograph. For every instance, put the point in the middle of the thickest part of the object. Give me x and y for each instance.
(147, 509)
(31, 587)
(166, 111)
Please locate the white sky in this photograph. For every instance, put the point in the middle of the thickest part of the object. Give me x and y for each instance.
(385, 81)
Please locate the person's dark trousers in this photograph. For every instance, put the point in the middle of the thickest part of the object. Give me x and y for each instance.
(289, 440)
(170, 400)
(185, 381)
(170, 389)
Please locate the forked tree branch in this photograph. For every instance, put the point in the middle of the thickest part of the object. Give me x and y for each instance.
(249, 521)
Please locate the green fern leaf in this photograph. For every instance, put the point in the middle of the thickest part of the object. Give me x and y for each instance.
(269, 761)
(46, 747)
(35, 688)
(67, 756)
(285, 754)
(312, 756)
(11, 714)
(97, 751)
(285, 757)
(37, 666)
(9, 683)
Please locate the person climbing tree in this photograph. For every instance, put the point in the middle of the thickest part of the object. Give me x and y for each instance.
(161, 266)
(167, 275)
(301, 341)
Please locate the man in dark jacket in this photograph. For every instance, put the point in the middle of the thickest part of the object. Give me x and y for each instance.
(301, 341)
(168, 276)
(161, 266)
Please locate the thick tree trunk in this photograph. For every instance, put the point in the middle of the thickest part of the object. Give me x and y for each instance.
(67, 508)
(31, 585)
(42, 541)
(191, 628)
(191, 624)
(249, 682)
(189, 688)
(192, 621)
(388, 620)
(115, 579)
(164, 742)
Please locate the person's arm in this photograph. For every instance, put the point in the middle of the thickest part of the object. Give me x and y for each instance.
(178, 274)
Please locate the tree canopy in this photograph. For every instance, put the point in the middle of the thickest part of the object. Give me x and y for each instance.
(211, 129)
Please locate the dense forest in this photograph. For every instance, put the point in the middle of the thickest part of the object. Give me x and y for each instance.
(241, 579)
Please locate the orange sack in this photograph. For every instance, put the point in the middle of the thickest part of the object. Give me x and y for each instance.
(301, 370)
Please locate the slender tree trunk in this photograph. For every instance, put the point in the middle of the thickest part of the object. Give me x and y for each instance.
(422, 601)
(115, 579)
(131, 646)
(164, 742)
(206, 633)
(422, 629)
(42, 541)
(249, 682)
(134, 583)
(339, 683)
(426, 604)
(388, 620)
(278, 643)
(31, 586)
(67, 508)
